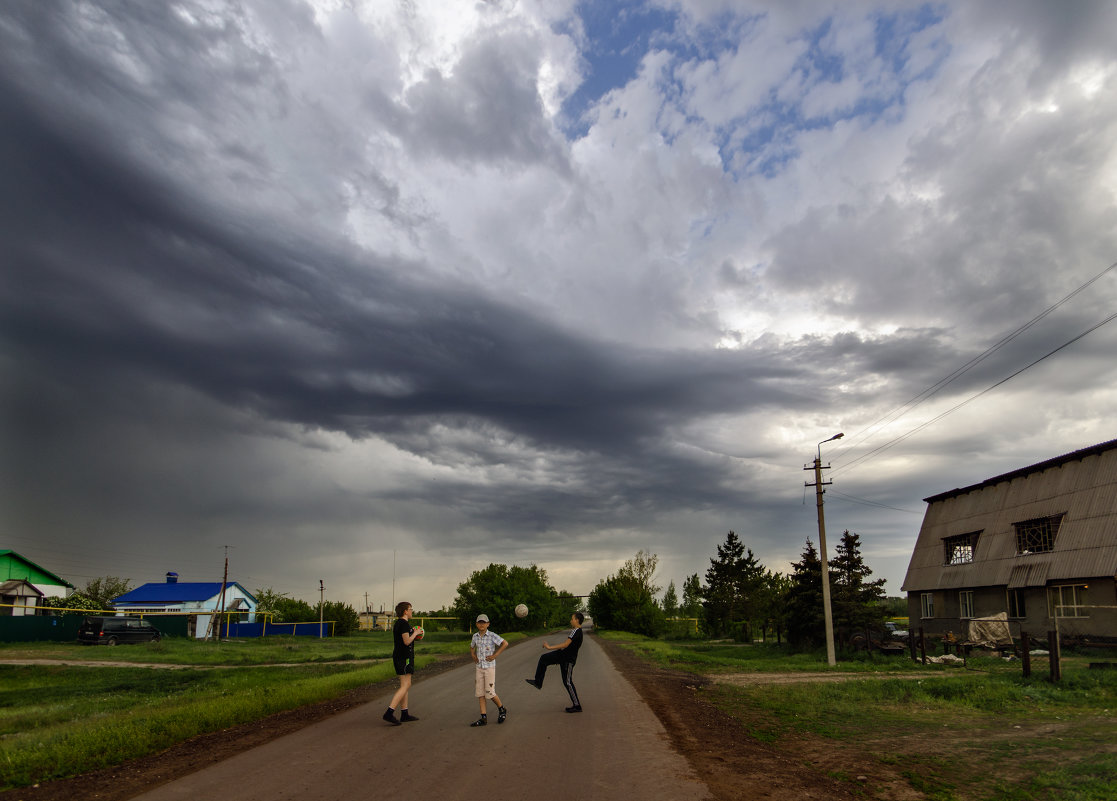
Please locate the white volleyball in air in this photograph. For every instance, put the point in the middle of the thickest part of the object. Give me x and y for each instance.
(521, 610)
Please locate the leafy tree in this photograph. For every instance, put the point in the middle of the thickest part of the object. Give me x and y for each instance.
(671, 600)
(268, 602)
(733, 585)
(856, 601)
(806, 626)
(79, 602)
(104, 589)
(293, 610)
(344, 616)
(895, 606)
(626, 601)
(641, 569)
(497, 589)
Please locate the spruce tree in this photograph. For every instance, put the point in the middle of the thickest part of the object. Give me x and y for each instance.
(855, 600)
(670, 600)
(806, 626)
(692, 597)
(733, 585)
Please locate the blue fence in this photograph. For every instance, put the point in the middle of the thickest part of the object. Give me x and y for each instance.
(311, 629)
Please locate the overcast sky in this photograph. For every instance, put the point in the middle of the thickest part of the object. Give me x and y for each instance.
(348, 285)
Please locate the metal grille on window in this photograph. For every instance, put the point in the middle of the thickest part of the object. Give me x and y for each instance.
(960, 549)
(1037, 536)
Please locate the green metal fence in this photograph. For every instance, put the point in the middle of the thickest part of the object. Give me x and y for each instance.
(64, 628)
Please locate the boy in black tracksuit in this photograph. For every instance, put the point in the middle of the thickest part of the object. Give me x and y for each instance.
(563, 655)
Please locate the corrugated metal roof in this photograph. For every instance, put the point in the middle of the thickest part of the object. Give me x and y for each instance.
(1082, 487)
(180, 592)
(1024, 471)
(1033, 575)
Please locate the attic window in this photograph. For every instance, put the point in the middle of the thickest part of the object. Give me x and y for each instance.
(959, 550)
(1037, 536)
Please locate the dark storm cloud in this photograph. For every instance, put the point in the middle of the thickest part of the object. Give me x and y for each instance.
(116, 281)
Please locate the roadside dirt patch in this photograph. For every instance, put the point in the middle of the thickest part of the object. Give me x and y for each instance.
(140, 775)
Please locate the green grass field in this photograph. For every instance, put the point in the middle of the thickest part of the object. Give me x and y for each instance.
(58, 720)
(979, 733)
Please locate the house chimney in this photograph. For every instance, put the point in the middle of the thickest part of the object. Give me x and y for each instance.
(172, 578)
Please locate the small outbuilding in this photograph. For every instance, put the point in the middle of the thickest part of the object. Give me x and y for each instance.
(19, 597)
(1038, 544)
(198, 599)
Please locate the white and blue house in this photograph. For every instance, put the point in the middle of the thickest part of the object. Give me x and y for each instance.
(198, 599)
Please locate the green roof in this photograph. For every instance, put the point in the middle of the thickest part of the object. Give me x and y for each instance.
(11, 562)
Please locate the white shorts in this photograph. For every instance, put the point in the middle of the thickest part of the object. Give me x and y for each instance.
(485, 681)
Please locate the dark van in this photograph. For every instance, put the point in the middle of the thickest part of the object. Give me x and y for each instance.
(97, 630)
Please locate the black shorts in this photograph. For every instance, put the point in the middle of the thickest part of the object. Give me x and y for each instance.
(405, 665)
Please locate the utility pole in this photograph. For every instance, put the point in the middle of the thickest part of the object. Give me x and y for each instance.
(321, 606)
(818, 484)
(221, 603)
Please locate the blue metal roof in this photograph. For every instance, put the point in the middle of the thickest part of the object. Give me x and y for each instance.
(180, 592)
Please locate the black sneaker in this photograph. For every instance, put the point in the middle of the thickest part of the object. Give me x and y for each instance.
(406, 716)
(390, 716)
(481, 721)
(576, 708)
(503, 713)
(533, 683)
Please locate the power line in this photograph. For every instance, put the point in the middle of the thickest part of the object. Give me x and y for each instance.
(968, 400)
(933, 390)
(866, 502)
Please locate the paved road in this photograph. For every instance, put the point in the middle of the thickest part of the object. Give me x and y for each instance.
(615, 749)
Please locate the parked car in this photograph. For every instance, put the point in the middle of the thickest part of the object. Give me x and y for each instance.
(104, 630)
(895, 630)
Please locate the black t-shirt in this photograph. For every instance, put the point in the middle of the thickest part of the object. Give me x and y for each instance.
(570, 652)
(398, 647)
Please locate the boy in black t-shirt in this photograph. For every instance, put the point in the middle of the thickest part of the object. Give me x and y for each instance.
(403, 657)
(564, 655)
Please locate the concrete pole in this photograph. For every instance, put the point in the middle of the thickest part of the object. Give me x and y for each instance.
(831, 659)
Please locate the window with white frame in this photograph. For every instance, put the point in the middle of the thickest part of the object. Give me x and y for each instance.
(1067, 600)
(1038, 535)
(965, 603)
(927, 605)
(1016, 607)
(959, 549)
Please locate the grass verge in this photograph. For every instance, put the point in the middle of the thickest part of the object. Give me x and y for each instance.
(64, 720)
(981, 733)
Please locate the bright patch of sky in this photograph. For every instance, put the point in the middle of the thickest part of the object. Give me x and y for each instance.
(616, 37)
(756, 110)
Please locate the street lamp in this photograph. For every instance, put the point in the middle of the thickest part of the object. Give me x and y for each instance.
(827, 615)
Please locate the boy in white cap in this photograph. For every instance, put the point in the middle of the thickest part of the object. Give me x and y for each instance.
(485, 647)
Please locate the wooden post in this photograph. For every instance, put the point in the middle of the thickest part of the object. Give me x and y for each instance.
(1053, 652)
(1025, 654)
(922, 646)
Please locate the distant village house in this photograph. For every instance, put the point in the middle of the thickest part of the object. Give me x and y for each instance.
(198, 599)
